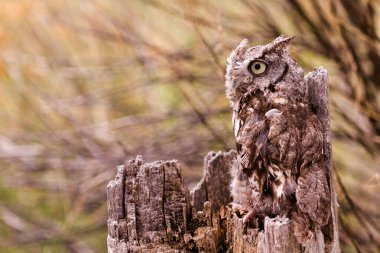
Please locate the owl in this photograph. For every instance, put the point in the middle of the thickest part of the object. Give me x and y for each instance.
(280, 168)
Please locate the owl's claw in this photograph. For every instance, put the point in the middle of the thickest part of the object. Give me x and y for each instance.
(237, 208)
(248, 216)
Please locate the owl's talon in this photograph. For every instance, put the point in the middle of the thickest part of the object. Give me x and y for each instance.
(248, 216)
(238, 208)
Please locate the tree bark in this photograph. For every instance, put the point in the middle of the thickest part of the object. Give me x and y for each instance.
(150, 211)
(148, 207)
(214, 186)
(318, 92)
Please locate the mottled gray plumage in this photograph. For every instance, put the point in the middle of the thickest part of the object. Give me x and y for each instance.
(280, 168)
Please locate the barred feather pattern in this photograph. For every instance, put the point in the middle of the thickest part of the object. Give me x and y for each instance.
(280, 168)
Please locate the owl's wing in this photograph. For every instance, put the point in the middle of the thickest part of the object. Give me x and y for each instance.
(313, 192)
(248, 144)
(312, 141)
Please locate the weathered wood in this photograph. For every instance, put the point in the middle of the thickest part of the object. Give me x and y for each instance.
(318, 93)
(149, 212)
(214, 186)
(149, 207)
(276, 237)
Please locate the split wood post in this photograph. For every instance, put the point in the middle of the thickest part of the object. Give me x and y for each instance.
(318, 93)
(150, 209)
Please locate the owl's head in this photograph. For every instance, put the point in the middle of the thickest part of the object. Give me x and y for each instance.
(268, 68)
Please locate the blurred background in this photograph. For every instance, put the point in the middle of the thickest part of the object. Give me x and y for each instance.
(86, 85)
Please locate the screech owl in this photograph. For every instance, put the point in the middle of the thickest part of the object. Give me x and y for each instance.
(280, 168)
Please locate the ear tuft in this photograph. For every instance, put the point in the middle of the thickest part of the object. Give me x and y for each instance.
(283, 39)
(238, 50)
(243, 43)
(280, 44)
(236, 53)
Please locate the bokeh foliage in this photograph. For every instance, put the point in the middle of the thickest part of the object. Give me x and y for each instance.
(86, 85)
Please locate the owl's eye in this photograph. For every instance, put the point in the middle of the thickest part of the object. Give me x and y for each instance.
(257, 67)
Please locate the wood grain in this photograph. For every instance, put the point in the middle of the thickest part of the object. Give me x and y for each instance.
(149, 207)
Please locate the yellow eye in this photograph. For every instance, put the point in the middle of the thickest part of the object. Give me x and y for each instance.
(257, 67)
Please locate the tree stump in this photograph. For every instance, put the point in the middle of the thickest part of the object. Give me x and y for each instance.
(148, 207)
(150, 211)
(215, 182)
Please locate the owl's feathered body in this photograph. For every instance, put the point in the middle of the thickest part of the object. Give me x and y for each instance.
(280, 168)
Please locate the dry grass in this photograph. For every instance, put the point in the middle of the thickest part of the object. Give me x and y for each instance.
(86, 85)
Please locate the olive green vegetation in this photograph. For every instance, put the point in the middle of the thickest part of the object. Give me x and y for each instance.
(86, 85)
